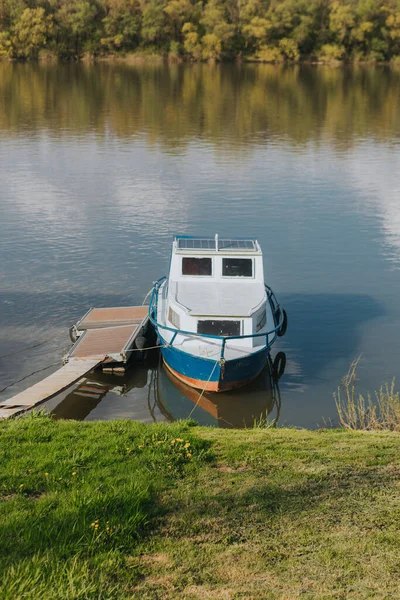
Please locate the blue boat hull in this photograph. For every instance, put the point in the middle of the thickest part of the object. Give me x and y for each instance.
(211, 375)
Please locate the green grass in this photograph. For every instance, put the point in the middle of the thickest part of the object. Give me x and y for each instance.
(277, 514)
(76, 498)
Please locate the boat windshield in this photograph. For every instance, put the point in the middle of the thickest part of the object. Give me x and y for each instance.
(218, 327)
(237, 267)
(196, 266)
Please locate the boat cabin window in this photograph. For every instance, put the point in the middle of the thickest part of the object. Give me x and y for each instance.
(261, 320)
(225, 328)
(237, 267)
(196, 266)
(174, 318)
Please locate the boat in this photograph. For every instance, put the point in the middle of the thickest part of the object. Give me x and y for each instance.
(215, 317)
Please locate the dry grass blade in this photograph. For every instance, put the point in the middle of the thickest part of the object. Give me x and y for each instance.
(358, 412)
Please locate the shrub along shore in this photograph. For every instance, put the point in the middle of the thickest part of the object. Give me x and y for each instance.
(127, 510)
(264, 30)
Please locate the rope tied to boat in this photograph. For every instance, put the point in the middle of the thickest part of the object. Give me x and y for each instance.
(147, 348)
(217, 362)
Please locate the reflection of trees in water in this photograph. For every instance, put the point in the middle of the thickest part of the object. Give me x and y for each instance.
(222, 104)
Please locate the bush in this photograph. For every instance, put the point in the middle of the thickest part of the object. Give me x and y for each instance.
(269, 54)
(331, 53)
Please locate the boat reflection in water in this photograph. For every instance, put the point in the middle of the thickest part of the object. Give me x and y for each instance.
(149, 392)
(257, 403)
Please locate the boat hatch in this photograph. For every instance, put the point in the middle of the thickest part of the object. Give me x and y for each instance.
(218, 327)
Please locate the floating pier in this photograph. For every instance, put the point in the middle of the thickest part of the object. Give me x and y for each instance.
(103, 336)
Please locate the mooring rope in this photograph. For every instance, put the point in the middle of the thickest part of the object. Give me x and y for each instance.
(147, 295)
(149, 348)
(30, 375)
(47, 341)
(203, 390)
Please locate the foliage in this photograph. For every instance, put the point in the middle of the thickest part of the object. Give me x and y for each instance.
(331, 53)
(264, 30)
(28, 34)
(121, 26)
(364, 413)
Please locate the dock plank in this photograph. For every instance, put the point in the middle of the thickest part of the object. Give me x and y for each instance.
(98, 342)
(97, 318)
(48, 387)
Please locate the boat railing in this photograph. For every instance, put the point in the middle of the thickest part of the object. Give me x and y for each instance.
(276, 311)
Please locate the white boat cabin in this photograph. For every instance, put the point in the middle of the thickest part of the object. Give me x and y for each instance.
(216, 287)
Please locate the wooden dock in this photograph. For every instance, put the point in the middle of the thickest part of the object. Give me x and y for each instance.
(104, 335)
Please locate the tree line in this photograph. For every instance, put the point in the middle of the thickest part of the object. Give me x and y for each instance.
(260, 30)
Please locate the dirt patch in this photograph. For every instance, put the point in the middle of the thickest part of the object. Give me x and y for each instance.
(161, 559)
(227, 469)
(208, 593)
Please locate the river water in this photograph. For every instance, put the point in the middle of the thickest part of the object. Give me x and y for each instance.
(101, 165)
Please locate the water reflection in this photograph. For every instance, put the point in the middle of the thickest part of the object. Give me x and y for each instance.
(175, 104)
(164, 397)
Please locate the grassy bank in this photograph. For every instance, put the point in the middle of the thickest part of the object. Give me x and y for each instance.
(125, 510)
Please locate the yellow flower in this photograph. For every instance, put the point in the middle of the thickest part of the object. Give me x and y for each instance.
(189, 455)
(46, 474)
(172, 441)
(169, 467)
(186, 445)
(22, 485)
(179, 440)
(73, 473)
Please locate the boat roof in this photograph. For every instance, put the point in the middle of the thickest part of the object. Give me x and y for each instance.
(210, 245)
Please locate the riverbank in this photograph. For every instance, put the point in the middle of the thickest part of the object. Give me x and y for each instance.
(126, 510)
(162, 57)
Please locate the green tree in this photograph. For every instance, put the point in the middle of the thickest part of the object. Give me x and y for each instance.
(77, 28)
(393, 31)
(122, 25)
(28, 35)
(218, 39)
(256, 33)
(368, 34)
(154, 22)
(192, 45)
(178, 13)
